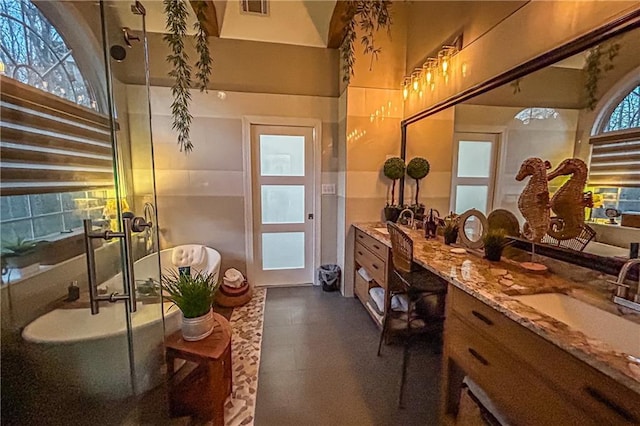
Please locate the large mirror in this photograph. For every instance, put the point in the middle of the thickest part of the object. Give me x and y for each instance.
(586, 106)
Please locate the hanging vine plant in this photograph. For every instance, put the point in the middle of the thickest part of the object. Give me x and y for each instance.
(599, 61)
(369, 16)
(177, 13)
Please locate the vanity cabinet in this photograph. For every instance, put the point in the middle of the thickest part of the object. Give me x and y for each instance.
(374, 257)
(530, 380)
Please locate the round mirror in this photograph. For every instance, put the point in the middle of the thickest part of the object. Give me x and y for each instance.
(474, 227)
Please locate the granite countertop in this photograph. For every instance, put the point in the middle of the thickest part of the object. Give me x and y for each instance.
(494, 283)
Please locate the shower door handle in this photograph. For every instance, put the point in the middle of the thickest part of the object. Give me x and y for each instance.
(129, 279)
(129, 295)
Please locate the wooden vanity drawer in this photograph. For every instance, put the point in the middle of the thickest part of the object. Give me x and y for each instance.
(517, 392)
(375, 266)
(575, 380)
(375, 246)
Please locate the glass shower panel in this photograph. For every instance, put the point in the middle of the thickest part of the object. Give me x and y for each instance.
(60, 363)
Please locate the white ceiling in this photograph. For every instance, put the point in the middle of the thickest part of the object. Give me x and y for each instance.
(299, 22)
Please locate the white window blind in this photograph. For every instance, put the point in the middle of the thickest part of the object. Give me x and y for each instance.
(49, 144)
(615, 159)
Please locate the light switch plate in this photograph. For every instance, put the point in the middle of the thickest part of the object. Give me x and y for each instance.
(328, 188)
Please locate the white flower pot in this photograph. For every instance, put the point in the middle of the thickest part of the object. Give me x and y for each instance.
(198, 328)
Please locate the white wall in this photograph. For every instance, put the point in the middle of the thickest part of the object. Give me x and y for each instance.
(201, 195)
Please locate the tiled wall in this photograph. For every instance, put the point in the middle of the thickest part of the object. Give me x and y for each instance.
(201, 195)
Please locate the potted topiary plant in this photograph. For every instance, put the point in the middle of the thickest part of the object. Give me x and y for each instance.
(450, 228)
(393, 169)
(418, 168)
(193, 295)
(494, 242)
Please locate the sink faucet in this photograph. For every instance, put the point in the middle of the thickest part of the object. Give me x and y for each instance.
(411, 219)
(623, 295)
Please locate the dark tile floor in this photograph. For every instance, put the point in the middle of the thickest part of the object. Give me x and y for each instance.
(319, 366)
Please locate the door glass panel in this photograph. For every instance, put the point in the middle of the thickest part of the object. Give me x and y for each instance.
(283, 250)
(471, 197)
(474, 159)
(282, 204)
(281, 155)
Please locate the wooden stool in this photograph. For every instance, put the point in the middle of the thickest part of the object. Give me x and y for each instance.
(204, 390)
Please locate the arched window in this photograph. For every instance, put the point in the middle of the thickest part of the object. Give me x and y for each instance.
(614, 169)
(34, 53)
(626, 115)
(57, 162)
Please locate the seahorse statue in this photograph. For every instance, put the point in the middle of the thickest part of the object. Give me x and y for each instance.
(568, 202)
(534, 199)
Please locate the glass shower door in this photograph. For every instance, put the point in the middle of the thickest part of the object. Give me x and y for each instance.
(124, 26)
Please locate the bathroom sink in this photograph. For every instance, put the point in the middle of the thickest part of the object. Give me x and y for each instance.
(621, 334)
(384, 231)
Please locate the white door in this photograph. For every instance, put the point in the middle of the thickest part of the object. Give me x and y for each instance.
(474, 170)
(283, 204)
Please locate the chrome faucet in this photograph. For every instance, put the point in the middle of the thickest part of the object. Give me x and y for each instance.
(411, 220)
(624, 293)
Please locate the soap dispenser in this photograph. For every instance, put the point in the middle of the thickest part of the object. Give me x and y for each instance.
(73, 292)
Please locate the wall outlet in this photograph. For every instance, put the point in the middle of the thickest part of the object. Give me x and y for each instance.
(328, 189)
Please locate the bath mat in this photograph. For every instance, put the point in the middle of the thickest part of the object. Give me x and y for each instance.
(246, 322)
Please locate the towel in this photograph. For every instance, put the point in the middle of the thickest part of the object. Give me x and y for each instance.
(399, 302)
(365, 275)
(377, 295)
(233, 278)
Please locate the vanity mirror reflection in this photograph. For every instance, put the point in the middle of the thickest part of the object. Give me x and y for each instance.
(585, 106)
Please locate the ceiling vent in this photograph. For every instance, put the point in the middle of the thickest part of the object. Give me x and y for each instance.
(255, 7)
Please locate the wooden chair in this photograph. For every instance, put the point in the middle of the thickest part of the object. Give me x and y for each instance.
(424, 291)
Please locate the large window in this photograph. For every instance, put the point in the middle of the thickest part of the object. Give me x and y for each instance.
(48, 216)
(615, 159)
(34, 53)
(56, 152)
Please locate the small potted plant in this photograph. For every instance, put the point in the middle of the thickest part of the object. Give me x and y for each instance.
(20, 253)
(393, 169)
(417, 169)
(494, 242)
(450, 228)
(193, 295)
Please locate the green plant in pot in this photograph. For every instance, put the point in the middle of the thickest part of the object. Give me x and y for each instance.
(494, 242)
(193, 295)
(393, 169)
(417, 169)
(20, 252)
(450, 228)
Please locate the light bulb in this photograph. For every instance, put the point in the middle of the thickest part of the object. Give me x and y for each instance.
(429, 77)
(405, 93)
(415, 84)
(445, 65)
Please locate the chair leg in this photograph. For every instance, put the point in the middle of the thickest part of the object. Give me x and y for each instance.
(382, 333)
(405, 363)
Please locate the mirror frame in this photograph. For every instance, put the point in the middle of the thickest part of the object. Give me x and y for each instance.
(620, 25)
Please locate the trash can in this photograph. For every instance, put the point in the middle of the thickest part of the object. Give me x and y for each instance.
(329, 277)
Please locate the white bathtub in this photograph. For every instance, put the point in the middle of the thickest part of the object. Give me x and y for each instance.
(92, 350)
